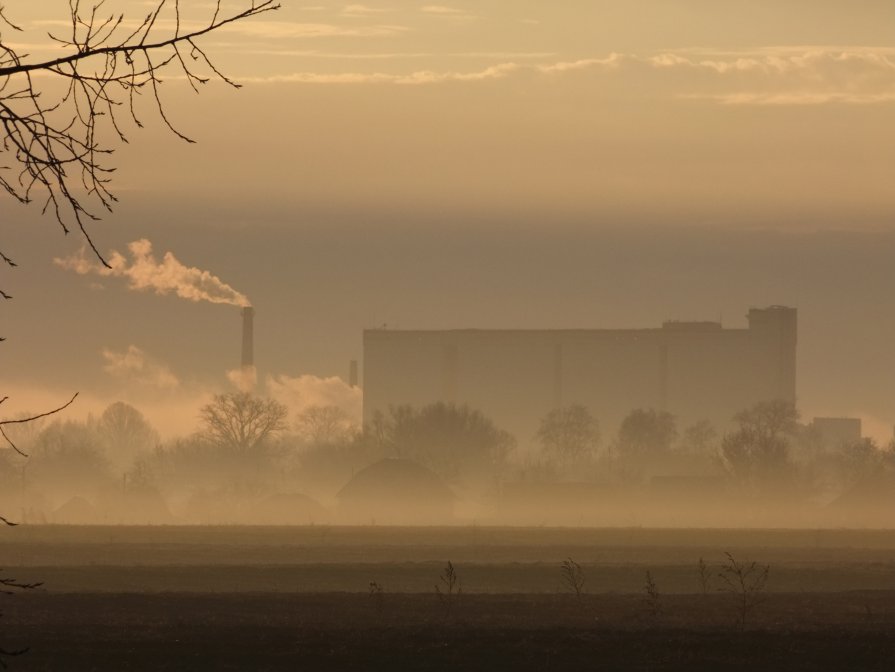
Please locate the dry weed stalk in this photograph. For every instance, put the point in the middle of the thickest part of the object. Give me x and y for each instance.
(573, 576)
(450, 589)
(747, 582)
(652, 598)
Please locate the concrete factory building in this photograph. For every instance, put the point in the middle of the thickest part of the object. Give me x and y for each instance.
(695, 370)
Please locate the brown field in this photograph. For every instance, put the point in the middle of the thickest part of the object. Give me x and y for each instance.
(297, 598)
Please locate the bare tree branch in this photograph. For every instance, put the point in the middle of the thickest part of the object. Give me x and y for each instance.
(54, 142)
(32, 418)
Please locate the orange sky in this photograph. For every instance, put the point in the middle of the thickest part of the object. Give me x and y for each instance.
(592, 164)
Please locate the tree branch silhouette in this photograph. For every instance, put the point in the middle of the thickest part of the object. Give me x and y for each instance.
(32, 418)
(54, 140)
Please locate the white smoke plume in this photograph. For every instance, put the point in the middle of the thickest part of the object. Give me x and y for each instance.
(144, 273)
(304, 392)
(244, 378)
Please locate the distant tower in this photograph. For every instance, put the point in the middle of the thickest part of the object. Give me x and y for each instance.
(248, 337)
(352, 373)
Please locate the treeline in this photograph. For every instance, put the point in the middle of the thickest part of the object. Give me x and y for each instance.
(249, 461)
(767, 450)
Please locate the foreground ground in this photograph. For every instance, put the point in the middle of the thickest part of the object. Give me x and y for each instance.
(299, 599)
(839, 631)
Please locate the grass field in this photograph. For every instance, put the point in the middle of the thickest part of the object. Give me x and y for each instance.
(298, 599)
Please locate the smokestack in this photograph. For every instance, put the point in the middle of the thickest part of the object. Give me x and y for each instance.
(352, 373)
(248, 337)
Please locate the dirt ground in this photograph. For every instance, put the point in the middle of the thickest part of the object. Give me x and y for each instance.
(299, 599)
(339, 631)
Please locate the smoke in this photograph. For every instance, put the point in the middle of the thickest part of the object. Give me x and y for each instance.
(304, 392)
(244, 378)
(144, 273)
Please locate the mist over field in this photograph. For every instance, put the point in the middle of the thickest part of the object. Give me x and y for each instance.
(255, 460)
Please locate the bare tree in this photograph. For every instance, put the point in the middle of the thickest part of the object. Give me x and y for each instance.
(126, 432)
(570, 434)
(645, 438)
(758, 453)
(325, 425)
(241, 422)
(458, 443)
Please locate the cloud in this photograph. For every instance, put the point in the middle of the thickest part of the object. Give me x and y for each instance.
(363, 10)
(613, 60)
(144, 272)
(304, 392)
(794, 99)
(134, 365)
(414, 78)
(298, 30)
(268, 30)
(441, 10)
(445, 12)
(811, 76)
(266, 50)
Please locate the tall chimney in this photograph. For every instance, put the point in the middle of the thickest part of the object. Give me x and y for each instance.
(248, 337)
(352, 373)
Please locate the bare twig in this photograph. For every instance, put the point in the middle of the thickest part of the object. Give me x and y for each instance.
(7, 587)
(32, 418)
(54, 142)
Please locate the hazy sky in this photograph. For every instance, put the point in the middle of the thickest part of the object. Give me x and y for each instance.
(488, 164)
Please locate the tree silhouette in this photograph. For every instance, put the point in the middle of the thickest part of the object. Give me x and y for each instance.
(645, 440)
(242, 423)
(456, 442)
(757, 453)
(570, 434)
(646, 433)
(126, 432)
(325, 425)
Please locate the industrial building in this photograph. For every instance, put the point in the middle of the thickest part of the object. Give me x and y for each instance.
(694, 370)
